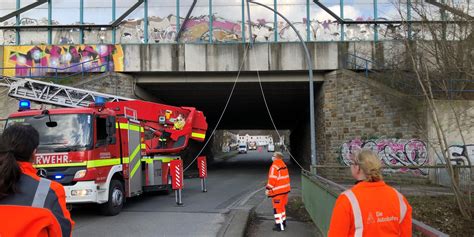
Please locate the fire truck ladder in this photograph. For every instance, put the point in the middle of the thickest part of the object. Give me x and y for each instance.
(50, 93)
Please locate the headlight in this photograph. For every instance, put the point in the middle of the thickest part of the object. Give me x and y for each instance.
(81, 192)
(80, 174)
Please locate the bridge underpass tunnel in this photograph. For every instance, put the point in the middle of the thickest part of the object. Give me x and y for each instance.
(247, 149)
(287, 101)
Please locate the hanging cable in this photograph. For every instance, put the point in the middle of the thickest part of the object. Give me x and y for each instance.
(268, 110)
(225, 107)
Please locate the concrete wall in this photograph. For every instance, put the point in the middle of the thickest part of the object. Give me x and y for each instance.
(284, 56)
(382, 54)
(459, 136)
(352, 108)
(228, 57)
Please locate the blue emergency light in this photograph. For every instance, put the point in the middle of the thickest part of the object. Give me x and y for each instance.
(24, 105)
(99, 101)
(58, 176)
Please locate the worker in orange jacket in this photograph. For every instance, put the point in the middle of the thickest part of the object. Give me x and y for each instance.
(371, 207)
(278, 187)
(29, 205)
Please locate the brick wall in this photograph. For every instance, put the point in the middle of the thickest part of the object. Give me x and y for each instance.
(112, 83)
(353, 107)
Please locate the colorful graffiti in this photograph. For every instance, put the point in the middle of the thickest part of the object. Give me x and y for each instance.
(392, 152)
(164, 30)
(30, 61)
(196, 29)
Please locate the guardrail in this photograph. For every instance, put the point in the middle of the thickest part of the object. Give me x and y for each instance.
(319, 197)
(100, 65)
(359, 63)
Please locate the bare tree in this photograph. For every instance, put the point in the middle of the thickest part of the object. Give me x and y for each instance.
(440, 63)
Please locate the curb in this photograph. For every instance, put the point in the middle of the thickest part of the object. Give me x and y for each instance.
(236, 225)
(238, 221)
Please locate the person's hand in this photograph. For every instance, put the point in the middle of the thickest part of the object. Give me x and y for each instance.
(266, 192)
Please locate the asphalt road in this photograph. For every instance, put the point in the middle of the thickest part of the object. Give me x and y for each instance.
(231, 183)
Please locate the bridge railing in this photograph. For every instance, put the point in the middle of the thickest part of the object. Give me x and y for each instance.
(407, 82)
(377, 71)
(357, 62)
(77, 70)
(319, 197)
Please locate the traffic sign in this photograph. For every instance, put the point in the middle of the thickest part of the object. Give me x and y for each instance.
(202, 166)
(176, 169)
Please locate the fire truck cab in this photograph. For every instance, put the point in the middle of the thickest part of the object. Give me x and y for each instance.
(101, 153)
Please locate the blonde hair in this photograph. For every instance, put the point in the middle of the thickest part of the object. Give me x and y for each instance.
(278, 154)
(370, 165)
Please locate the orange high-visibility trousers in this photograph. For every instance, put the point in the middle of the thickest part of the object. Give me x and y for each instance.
(279, 202)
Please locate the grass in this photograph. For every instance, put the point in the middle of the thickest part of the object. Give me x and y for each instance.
(296, 209)
(442, 213)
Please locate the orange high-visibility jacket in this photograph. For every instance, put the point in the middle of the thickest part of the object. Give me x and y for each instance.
(278, 179)
(28, 221)
(371, 209)
(50, 214)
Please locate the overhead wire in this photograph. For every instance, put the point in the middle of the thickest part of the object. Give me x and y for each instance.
(227, 104)
(225, 108)
(270, 114)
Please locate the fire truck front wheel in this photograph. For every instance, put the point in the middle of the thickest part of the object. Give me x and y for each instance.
(116, 199)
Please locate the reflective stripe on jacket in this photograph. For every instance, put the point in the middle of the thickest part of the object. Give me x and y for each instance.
(371, 209)
(278, 179)
(51, 199)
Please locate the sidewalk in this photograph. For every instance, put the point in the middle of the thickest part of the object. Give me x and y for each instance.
(253, 215)
(262, 221)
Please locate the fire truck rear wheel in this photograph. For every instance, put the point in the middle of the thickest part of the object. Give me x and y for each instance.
(116, 199)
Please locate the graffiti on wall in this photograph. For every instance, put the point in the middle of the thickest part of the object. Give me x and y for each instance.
(164, 30)
(392, 152)
(462, 154)
(223, 30)
(60, 36)
(39, 60)
(197, 30)
(8, 37)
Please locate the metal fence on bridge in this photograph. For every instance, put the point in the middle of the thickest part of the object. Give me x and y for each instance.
(212, 21)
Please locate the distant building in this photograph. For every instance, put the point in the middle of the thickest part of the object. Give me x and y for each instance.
(261, 140)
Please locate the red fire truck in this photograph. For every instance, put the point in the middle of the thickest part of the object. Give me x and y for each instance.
(109, 151)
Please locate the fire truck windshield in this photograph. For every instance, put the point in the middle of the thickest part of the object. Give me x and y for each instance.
(73, 131)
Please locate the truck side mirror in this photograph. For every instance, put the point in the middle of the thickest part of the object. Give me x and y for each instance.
(51, 124)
